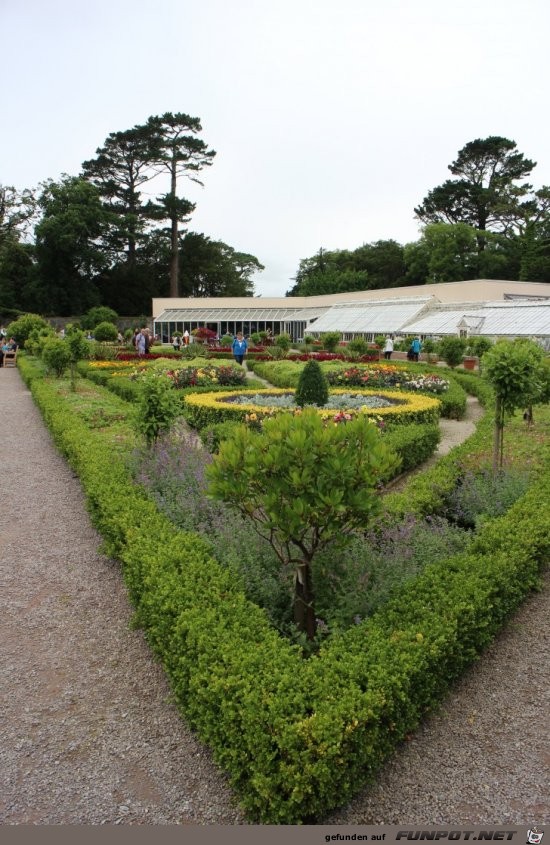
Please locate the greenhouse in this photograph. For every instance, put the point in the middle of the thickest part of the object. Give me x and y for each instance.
(489, 307)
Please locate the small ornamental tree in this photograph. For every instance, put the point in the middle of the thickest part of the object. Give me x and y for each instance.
(330, 341)
(157, 409)
(283, 342)
(79, 348)
(56, 355)
(312, 386)
(304, 485)
(451, 349)
(516, 370)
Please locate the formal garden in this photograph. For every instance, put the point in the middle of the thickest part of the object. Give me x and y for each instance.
(306, 615)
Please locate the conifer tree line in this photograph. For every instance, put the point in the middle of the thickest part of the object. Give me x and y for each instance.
(118, 233)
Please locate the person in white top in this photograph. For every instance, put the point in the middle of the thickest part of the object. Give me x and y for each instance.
(388, 347)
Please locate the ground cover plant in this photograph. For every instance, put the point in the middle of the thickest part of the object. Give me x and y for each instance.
(299, 737)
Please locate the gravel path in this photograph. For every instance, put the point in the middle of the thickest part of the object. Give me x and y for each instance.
(88, 731)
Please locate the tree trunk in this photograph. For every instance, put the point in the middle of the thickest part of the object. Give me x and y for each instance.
(174, 240)
(304, 609)
(497, 446)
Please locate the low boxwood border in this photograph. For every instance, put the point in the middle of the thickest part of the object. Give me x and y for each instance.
(298, 737)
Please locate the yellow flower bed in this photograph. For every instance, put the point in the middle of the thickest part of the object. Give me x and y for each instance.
(116, 365)
(204, 408)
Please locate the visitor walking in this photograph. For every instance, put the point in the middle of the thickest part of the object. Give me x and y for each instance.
(388, 348)
(239, 347)
(416, 347)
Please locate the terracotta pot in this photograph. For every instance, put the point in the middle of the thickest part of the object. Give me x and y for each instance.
(469, 363)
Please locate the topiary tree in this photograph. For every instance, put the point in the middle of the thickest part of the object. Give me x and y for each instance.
(157, 409)
(330, 340)
(518, 374)
(98, 314)
(106, 332)
(451, 349)
(305, 486)
(56, 355)
(312, 386)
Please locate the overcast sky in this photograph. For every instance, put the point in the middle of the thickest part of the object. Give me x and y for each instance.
(331, 119)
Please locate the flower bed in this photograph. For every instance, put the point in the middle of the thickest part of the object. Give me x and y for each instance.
(207, 408)
(388, 376)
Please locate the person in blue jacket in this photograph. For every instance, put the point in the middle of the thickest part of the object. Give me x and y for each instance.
(239, 347)
(416, 347)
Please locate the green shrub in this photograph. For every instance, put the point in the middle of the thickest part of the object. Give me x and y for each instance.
(312, 386)
(330, 340)
(56, 355)
(283, 342)
(413, 444)
(358, 346)
(451, 349)
(226, 340)
(157, 409)
(212, 435)
(21, 328)
(97, 315)
(106, 332)
(34, 343)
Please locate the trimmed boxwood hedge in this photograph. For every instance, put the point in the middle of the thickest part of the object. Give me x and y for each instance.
(298, 737)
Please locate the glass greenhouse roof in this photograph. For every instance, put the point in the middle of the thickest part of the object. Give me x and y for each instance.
(496, 319)
(213, 315)
(370, 317)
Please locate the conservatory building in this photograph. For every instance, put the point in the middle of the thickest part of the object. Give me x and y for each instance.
(492, 308)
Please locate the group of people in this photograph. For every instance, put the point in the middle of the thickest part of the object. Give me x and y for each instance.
(178, 342)
(6, 345)
(142, 340)
(239, 345)
(413, 353)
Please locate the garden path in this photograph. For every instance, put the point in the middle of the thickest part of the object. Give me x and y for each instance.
(89, 732)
